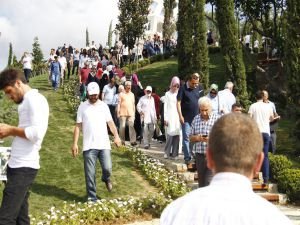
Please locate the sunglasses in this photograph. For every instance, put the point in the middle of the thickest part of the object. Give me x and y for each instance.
(213, 93)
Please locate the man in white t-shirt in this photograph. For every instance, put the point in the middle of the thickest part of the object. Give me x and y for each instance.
(263, 115)
(27, 67)
(23, 163)
(108, 94)
(227, 98)
(93, 116)
(234, 157)
(63, 64)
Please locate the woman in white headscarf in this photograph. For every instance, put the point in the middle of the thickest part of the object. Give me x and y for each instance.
(171, 119)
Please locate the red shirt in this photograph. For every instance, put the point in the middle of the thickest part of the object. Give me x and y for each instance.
(157, 104)
(84, 73)
(99, 73)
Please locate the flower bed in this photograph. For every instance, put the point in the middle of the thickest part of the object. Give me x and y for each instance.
(170, 186)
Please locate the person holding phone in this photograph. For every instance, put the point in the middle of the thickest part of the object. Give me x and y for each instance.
(200, 129)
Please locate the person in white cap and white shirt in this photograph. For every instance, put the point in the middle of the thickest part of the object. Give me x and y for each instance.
(93, 116)
(146, 108)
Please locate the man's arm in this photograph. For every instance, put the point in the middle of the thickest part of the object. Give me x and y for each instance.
(75, 139)
(114, 131)
(8, 130)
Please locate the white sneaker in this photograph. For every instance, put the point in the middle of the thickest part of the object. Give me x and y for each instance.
(165, 156)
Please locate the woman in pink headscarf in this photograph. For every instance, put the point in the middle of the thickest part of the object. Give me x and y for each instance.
(172, 122)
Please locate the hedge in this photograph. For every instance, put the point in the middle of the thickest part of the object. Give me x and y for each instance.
(287, 178)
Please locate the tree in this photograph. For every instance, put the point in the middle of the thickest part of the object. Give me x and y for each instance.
(87, 40)
(37, 52)
(10, 55)
(38, 57)
(109, 38)
(185, 38)
(292, 50)
(232, 52)
(200, 51)
(16, 63)
(169, 26)
(132, 20)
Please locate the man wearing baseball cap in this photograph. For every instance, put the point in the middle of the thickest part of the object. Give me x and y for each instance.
(93, 116)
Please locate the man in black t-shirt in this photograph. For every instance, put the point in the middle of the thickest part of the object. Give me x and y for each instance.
(187, 107)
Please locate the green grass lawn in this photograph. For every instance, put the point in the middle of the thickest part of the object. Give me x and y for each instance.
(159, 74)
(61, 177)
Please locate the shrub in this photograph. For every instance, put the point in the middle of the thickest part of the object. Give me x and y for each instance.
(278, 163)
(289, 182)
(214, 49)
(126, 69)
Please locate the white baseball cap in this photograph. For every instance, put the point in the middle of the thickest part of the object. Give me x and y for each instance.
(148, 88)
(93, 88)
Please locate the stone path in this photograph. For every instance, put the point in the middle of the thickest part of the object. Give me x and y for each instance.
(157, 151)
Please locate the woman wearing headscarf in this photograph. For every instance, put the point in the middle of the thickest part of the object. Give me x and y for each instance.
(171, 119)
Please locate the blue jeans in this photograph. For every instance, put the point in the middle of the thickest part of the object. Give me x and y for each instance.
(186, 145)
(14, 207)
(265, 166)
(90, 160)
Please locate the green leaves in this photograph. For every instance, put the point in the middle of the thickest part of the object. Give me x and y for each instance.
(132, 20)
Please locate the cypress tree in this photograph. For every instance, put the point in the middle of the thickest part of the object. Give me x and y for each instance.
(168, 25)
(185, 37)
(292, 50)
(232, 52)
(109, 38)
(200, 51)
(10, 55)
(87, 39)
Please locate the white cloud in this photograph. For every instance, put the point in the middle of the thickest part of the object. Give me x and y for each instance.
(55, 22)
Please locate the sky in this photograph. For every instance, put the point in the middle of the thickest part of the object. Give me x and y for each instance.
(54, 22)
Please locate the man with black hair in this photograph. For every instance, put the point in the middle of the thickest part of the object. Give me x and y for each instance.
(28, 136)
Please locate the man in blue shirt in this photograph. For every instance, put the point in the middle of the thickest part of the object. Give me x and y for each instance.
(187, 107)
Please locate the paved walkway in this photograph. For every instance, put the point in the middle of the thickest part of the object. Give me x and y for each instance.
(157, 151)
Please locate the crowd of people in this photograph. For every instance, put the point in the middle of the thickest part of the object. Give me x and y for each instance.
(191, 117)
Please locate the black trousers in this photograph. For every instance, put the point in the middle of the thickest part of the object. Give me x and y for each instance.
(204, 174)
(27, 73)
(14, 207)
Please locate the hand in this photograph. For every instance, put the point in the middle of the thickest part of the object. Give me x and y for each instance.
(5, 130)
(181, 120)
(74, 150)
(118, 141)
(203, 138)
(166, 123)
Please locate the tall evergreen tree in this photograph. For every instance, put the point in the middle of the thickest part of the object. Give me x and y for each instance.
(109, 38)
(87, 39)
(132, 20)
(185, 38)
(292, 50)
(37, 52)
(10, 55)
(168, 25)
(232, 52)
(200, 51)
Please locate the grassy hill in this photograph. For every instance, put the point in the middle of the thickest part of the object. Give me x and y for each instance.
(61, 177)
